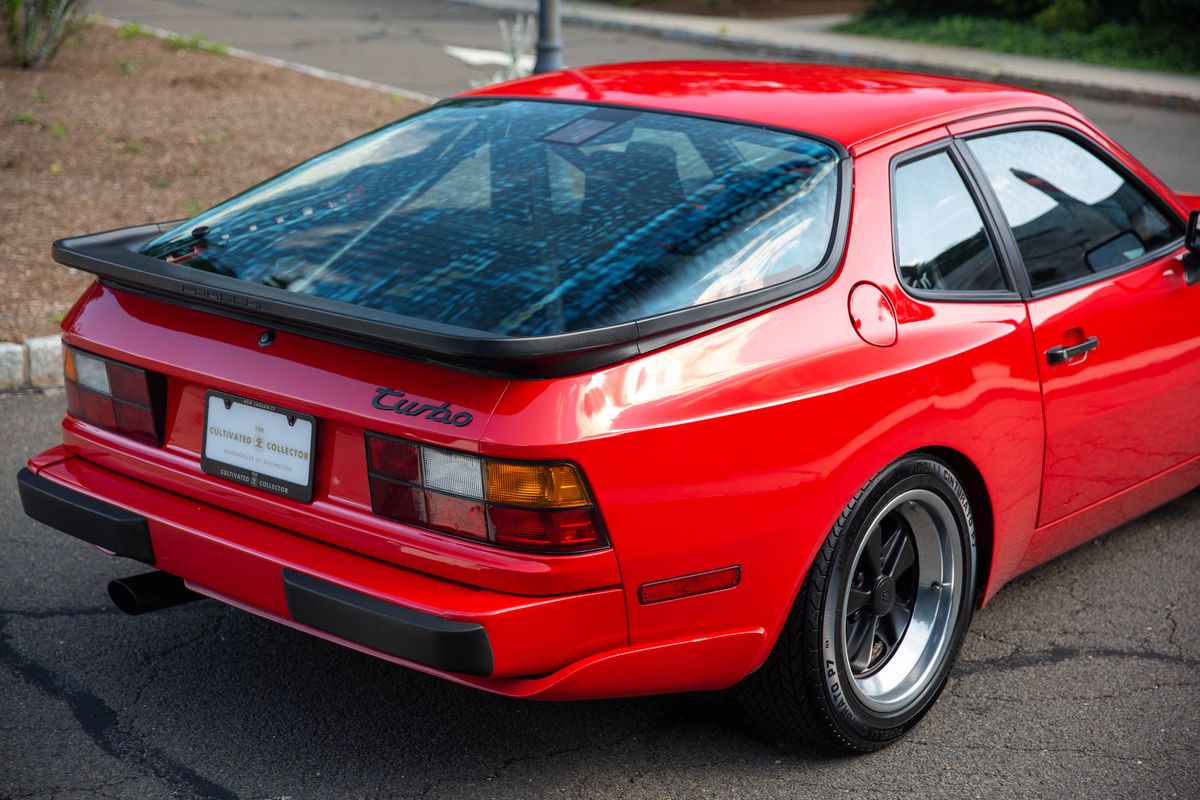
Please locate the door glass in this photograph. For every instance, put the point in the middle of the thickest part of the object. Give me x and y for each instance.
(1072, 214)
(941, 243)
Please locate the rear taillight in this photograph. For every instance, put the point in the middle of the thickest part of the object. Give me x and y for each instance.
(542, 508)
(112, 395)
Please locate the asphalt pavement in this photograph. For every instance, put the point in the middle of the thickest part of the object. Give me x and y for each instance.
(1080, 679)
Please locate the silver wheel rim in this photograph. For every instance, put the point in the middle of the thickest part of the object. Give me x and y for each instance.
(901, 600)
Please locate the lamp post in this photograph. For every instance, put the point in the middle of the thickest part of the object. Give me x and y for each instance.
(549, 43)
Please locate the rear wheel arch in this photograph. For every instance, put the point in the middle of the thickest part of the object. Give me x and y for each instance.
(981, 509)
(972, 482)
(800, 693)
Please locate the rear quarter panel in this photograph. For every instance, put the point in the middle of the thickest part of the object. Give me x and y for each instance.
(742, 446)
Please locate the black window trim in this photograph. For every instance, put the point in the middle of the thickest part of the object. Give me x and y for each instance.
(999, 249)
(1089, 144)
(111, 256)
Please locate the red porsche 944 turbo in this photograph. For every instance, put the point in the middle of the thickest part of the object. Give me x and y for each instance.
(645, 378)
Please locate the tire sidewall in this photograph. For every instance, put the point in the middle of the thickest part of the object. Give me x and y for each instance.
(869, 728)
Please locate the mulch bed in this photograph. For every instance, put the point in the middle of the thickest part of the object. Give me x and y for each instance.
(118, 132)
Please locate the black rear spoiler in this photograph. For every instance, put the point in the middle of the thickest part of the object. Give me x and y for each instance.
(113, 257)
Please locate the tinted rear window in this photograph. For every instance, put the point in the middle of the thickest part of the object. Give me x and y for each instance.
(525, 218)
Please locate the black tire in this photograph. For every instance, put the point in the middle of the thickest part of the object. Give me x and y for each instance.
(808, 692)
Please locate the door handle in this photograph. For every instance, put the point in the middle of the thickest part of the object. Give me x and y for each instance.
(1062, 354)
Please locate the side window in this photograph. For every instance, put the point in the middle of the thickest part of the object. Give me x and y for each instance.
(941, 243)
(1071, 213)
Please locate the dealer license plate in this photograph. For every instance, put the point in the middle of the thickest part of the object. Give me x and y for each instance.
(259, 445)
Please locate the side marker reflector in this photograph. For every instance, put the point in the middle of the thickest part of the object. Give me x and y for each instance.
(688, 585)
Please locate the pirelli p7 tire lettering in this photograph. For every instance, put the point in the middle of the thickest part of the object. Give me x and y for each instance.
(876, 626)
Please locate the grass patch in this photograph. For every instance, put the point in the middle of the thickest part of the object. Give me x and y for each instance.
(161, 182)
(58, 131)
(25, 118)
(1114, 44)
(131, 30)
(211, 138)
(127, 67)
(41, 97)
(125, 146)
(176, 41)
(195, 42)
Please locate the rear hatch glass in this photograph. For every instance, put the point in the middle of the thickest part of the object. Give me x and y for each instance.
(521, 218)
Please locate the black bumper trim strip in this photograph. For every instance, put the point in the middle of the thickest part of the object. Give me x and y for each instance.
(95, 522)
(415, 636)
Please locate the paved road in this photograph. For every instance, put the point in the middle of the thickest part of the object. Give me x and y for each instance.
(1079, 680)
(400, 42)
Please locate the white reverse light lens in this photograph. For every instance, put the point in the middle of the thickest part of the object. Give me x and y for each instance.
(92, 372)
(450, 472)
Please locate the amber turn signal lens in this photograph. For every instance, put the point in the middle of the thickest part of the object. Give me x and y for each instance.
(537, 485)
(68, 356)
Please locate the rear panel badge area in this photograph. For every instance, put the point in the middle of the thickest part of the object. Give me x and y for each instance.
(396, 401)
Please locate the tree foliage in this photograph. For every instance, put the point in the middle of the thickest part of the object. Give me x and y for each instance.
(1054, 15)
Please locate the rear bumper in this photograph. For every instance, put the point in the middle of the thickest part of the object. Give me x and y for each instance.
(563, 647)
(110, 527)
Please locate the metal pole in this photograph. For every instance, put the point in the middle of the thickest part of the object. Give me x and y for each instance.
(549, 44)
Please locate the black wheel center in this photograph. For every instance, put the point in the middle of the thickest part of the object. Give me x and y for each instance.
(883, 596)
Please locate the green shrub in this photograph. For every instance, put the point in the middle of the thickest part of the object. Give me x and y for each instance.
(1067, 15)
(1181, 13)
(1128, 44)
(1056, 15)
(36, 28)
(934, 8)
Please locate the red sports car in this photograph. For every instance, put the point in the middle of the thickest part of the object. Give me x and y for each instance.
(645, 378)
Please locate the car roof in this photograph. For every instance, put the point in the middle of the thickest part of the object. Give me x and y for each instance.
(850, 105)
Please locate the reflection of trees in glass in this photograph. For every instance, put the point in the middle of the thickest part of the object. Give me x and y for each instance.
(1065, 203)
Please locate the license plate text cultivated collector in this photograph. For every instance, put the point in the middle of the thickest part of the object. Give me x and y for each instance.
(259, 445)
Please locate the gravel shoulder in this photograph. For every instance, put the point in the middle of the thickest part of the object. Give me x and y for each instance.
(122, 131)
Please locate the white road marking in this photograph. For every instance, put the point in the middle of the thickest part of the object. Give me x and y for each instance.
(482, 58)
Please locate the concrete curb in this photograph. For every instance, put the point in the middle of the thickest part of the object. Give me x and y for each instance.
(33, 364)
(792, 39)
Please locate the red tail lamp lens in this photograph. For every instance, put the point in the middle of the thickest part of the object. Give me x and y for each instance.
(112, 395)
(135, 421)
(97, 408)
(398, 501)
(129, 384)
(458, 515)
(688, 585)
(564, 531)
(393, 458)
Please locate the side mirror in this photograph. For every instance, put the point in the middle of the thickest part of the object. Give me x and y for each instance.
(1191, 259)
